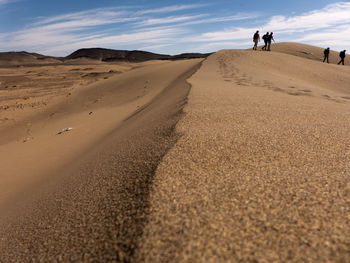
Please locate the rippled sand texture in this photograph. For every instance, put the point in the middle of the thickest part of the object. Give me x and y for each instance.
(261, 173)
(83, 195)
(251, 164)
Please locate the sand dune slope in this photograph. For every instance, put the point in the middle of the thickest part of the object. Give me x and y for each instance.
(91, 111)
(82, 196)
(262, 171)
(308, 51)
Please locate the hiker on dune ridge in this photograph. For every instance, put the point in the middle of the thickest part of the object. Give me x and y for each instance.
(256, 40)
(326, 55)
(269, 39)
(265, 40)
(342, 57)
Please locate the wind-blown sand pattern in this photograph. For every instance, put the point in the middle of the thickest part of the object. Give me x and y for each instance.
(83, 195)
(261, 173)
(30, 133)
(256, 170)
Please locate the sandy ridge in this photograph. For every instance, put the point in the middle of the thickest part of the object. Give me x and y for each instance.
(261, 173)
(96, 209)
(92, 111)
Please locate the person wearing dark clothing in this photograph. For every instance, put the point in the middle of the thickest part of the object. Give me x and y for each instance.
(342, 57)
(269, 39)
(256, 39)
(265, 40)
(326, 55)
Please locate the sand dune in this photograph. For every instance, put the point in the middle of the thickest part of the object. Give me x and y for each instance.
(308, 51)
(257, 170)
(290, 73)
(92, 111)
(261, 173)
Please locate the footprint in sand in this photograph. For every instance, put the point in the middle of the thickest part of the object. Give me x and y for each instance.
(242, 83)
(306, 90)
(4, 120)
(332, 99)
(297, 93)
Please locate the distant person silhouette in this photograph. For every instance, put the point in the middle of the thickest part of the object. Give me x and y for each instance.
(326, 55)
(342, 57)
(265, 40)
(256, 39)
(269, 39)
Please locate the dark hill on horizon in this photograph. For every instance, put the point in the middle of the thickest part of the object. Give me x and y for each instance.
(25, 58)
(110, 55)
(98, 54)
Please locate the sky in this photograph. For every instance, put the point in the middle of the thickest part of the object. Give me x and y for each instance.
(58, 28)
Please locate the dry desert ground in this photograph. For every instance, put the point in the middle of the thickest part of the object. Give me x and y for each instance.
(240, 157)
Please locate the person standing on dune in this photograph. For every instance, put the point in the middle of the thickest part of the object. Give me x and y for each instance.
(269, 39)
(326, 55)
(342, 57)
(256, 39)
(265, 40)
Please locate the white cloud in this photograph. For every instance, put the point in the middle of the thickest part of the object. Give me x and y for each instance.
(329, 26)
(93, 13)
(63, 33)
(336, 37)
(169, 9)
(238, 17)
(59, 35)
(130, 39)
(230, 34)
(80, 20)
(168, 20)
(155, 47)
(3, 2)
(331, 15)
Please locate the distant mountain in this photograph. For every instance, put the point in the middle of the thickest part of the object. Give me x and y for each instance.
(191, 55)
(114, 55)
(125, 55)
(25, 58)
(100, 54)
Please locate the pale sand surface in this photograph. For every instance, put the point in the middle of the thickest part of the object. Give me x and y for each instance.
(30, 146)
(94, 206)
(261, 173)
(257, 170)
(308, 51)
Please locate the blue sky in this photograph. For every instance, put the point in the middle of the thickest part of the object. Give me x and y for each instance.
(170, 27)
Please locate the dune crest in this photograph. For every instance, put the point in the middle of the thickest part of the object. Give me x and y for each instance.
(131, 165)
(261, 171)
(93, 107)
(307, 51)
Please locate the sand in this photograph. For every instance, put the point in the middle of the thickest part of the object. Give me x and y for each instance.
(261, 173)
(255, 170)
(308, 51)
(30, 134)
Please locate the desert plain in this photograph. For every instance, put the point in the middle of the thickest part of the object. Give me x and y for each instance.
(243, 156)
